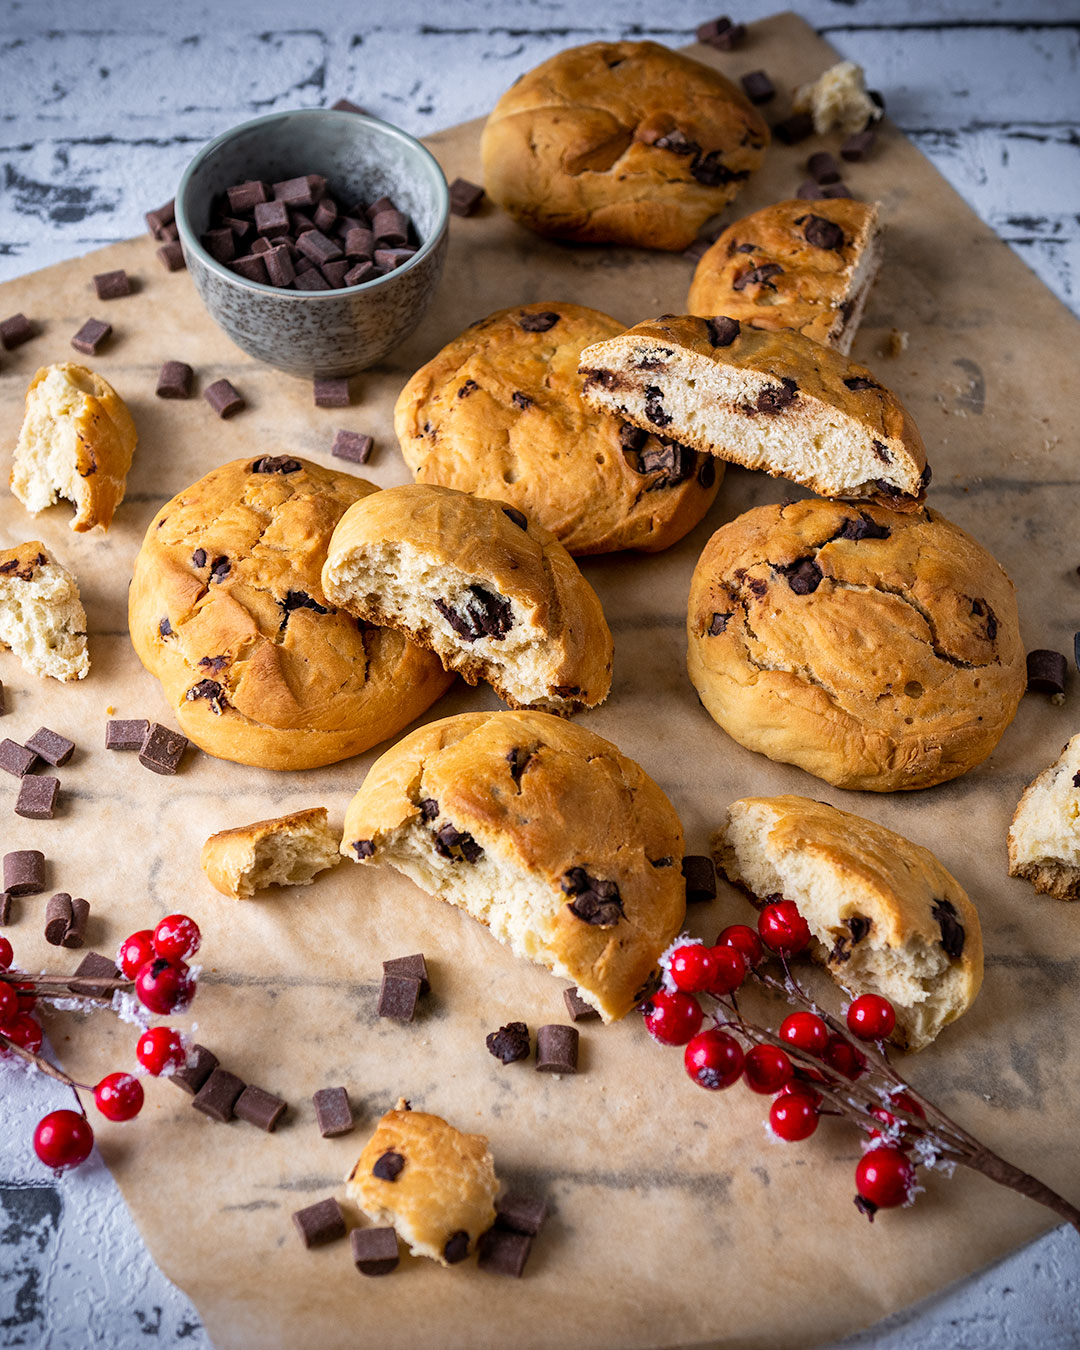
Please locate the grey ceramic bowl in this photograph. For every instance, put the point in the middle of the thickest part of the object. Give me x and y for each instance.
(322, 333)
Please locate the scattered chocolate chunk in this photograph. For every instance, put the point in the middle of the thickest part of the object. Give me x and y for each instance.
(486, 614)
(556, 1049)
(174, 381)
(952, 930)
(259, 1108)
(162, 750)
(53, 748)
(774, 398)
(171, 256)
(252, 267)
(454, 843)
(224, 399)
(654, 407)
(191, 1076)
(374, 1250)
(518, 517)
(332, 393)
(700, 876)
(758, 87)
(353, 446)
(244, 197)
(388, 1166)
(517, 1213)
(718, 623)
(5, 908)
(24, 872)
(157, 220)
(169, 233)
(59, 918)
(91, 969)
(397, 997)
(721, 33)
(822, 168)
(457, 1247)
(794, 129)
(91, 336)
(411, 967)
(539, 322)
(37, 797)
(857, 147)
(500, 1252)
(861, 527)
(510, 1043)
(465, 197)
(276, 464)
(16, 759)
(579, 1010)
(344, 105)
(803, 575)
(218, 1096)
(321, 1223)
(1046, 672)
(14, 331)
(822, 233)
(722, 330)
(333, 1114)
(112, 285)
(757, 276)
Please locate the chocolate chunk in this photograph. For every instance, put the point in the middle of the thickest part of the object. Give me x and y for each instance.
(757, 276)
(675, 461)
(353, 446)
(502, 1253)
(510, 1043)
(279, 266)
(91, 969)
(517, 1213)
(16, 759)
(360, 243)
(539, 322)
(300, 223)
(882, 453)
(556, 1049)
(858, 382)
(112, 285)
(388, 1166)
(240, 228)
(775, 398)
(332, 393)
(678, 143)
(191, 1076)
(320, 1224)
(410, 967)
(389, 258)
(293, 600)
(697, 249)
(335, 273)
(218, 1096)
(14, 331)
(486, 614)
(794, 129)
(518, 517)
(519, 760)
(700, 876)
(320, 248)
(219, 570)
(244, 197)
(157, 220)
(174, 381)
(758, 87)
(803, 575)
(520, 400)
(24, 872)
(822, 233)
(390, 228)
(343, 105)
(374, 1250)
(303, 191)
(457, 1247)
(169, 233)
(952, 930)
(448, 839)
(707, 472)
(91, 336)
(59, 918)
(711, 171)
(811, 191)
(600, 906)
(333, 1114)
(363, 848)
(429, 808)
(220, 244)
(276, 464)
(37, 798)
(53, 748)
(259, 1108)
(857, 147)
(3, 708)
(171, 256)
(722, 330)
(579, 1010)
(326, 214)
(162, 750)
(862, 527)
(397, 997)
(980, 609)
(718, 623)
(1076, 783)
(211, 691)
(198, 559)
(858, 926)
(76, 933)
(252, 267)
(363, 273)
(1045, 672)
(465, 197)
(224, 399)
(721, 33)
(632, 438)
(654, 407)
(822, 168)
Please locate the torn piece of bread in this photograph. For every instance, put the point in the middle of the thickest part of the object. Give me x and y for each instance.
(77, 442)
(287, 851)
(837, 100)
(1044, 837)
(493, 595)
(433, 1183)
(41, 616)
(797, 264)
(886, 917)
(563, 847)
(774, 401)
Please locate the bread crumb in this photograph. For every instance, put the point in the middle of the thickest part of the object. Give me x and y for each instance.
(109, 711)
(895, 343)
(838, 100)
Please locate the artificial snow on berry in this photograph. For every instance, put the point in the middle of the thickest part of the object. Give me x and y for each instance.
(135, 951)
(896, 1124)
(165, 986)
(119, 1096)
(871, 1017)
(160, 1048)
(714, 1059)
(691, 968)
(783, 929)
(672, 1018)
(177, 937)
(63, 1139)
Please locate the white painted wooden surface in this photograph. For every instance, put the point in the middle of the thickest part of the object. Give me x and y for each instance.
(103, 102)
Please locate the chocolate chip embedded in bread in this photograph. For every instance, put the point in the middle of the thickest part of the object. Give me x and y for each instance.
(757, 276)
(388, 1166)
(774, 398)
(519, 760)
(276, 464)
(654, 407)
(631, 437)
(1046, 671)
(824, 234)
(722, 330)
(858, 382)
(453, 843)
(952, 930)
(718, 623)
(539, 322)
(429, 808)
(861, 527)
(520, 400)
(363, 848)
(858, 926)
(456, 1248)
(211, 691)
(518, 517)
(485, 614)
(803, 576)
(596, 901)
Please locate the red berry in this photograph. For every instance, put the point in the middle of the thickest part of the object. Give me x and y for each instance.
(768, 1069)
(165, 986)
(9, 1004)
(793, 1116)
(672, 1018)
(63, 1139)
(729, 970)
(25, 1032)
(884, 1178)
(909, 1106)
(714, 1059)
(800, 1086)
(783, 929)
(160, 1048)
(744, 940)
(177, 937)
(806, 1031)
(27, 997)
(691, 968)
(135, 951)
(6, 954)
(871, 1017)
(119, 1096)
(844, 1057)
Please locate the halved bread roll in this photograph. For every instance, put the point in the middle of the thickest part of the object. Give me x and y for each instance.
(41, 616)
(287, 851)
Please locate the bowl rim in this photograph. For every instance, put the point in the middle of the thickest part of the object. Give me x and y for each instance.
(190, 240)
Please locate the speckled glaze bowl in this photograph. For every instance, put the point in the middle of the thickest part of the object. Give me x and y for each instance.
(324, 333)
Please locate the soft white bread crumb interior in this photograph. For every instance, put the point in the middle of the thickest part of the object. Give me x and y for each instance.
(43, 622)
(291, 851)
(1044, 838)
(837, 100)
(860, 285)
(46, 456)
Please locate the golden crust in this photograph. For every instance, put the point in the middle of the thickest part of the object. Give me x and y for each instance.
(226, 608)
(573, 149)
(446, 1184)
(814, 288)
(553, 458)
(229, 858)
(543, 796)
(898, 668)
(476, 537)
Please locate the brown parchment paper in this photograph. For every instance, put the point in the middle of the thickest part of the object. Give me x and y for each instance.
(676, 1221)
